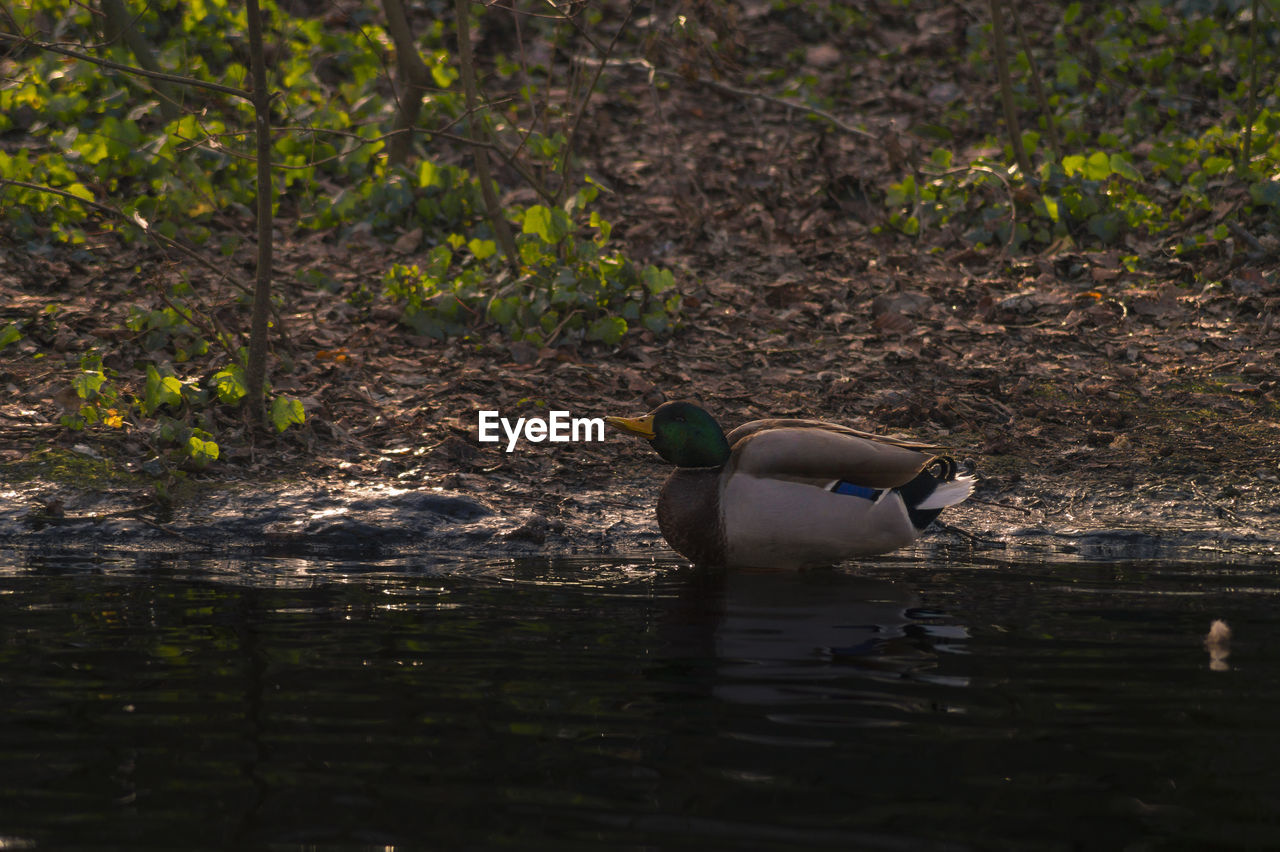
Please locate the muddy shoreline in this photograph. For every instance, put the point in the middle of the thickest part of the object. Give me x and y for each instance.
(1096, 521)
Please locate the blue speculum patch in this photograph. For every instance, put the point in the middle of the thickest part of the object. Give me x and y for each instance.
(845, 487)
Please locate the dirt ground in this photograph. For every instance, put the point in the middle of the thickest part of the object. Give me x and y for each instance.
(1088, 394)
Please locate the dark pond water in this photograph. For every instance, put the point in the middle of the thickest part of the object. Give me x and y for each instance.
(912, 703)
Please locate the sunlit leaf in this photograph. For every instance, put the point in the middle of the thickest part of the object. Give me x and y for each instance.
(230, 384)
(201, 450)
(482, 249)
(286, 412)
(443, 75)
(1098, 166)
(11, 334)
(87, 382)
(1051, 207)
(537, 220)
(160, 390)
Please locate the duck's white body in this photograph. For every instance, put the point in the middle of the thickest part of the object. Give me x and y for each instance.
(771, 523)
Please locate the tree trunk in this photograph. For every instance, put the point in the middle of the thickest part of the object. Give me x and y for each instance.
(256, 369)
(413, 79)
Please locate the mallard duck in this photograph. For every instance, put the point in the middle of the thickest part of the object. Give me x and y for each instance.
(791, 493)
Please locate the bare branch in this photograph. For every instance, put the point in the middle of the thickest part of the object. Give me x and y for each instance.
(142, 225)
(136, 221)
(651, 69)
(586, 98)
(478, 130)
(125, 29)
(1006, 88)
(1037, 85)
(128, 69)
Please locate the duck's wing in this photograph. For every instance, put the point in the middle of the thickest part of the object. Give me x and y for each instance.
(820, 453)
(756, 426)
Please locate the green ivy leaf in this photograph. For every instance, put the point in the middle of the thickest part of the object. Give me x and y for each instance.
(201, 450)
(1098, 166)
(1120, 165)
(80, 191)
(230, 384)
(428, 174)
(285, 412)
(1105, 226)
(482, 249)
(1215, 165)
(603, 227)
(607, 330)
(160, 390)
(657, 322)
(531, 252)
(87, 383)
(503, 311)
(550, 224)
(537, 220)
(658, 281)
(11, 334)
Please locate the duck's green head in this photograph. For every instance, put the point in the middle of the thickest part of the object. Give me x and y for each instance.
(681, 432)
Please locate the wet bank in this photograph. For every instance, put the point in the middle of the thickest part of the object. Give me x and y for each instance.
(1095, 520)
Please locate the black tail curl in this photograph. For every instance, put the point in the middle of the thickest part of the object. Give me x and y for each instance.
(940, 469)
(947, 469)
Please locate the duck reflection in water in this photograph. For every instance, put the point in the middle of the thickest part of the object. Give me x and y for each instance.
(789, 637)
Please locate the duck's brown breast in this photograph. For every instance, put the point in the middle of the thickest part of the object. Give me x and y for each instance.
(689, 514)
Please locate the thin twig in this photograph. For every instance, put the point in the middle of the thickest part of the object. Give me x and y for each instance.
(586, 99)
(136, 222)
(1222, 510)
(746, 93)
(982, 502)
(219, 334)
(128, 69)
(1252, 114)
(479, 130)
(1006, 88)
(1037, 85)
(670, 146)
(1008, 188)
(972, 539)
(167, 530)
(556, 333)
(1246, 237)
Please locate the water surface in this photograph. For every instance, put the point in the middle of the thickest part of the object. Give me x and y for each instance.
(916, 702)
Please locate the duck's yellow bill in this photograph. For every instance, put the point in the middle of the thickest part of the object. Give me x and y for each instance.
(642, 426)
